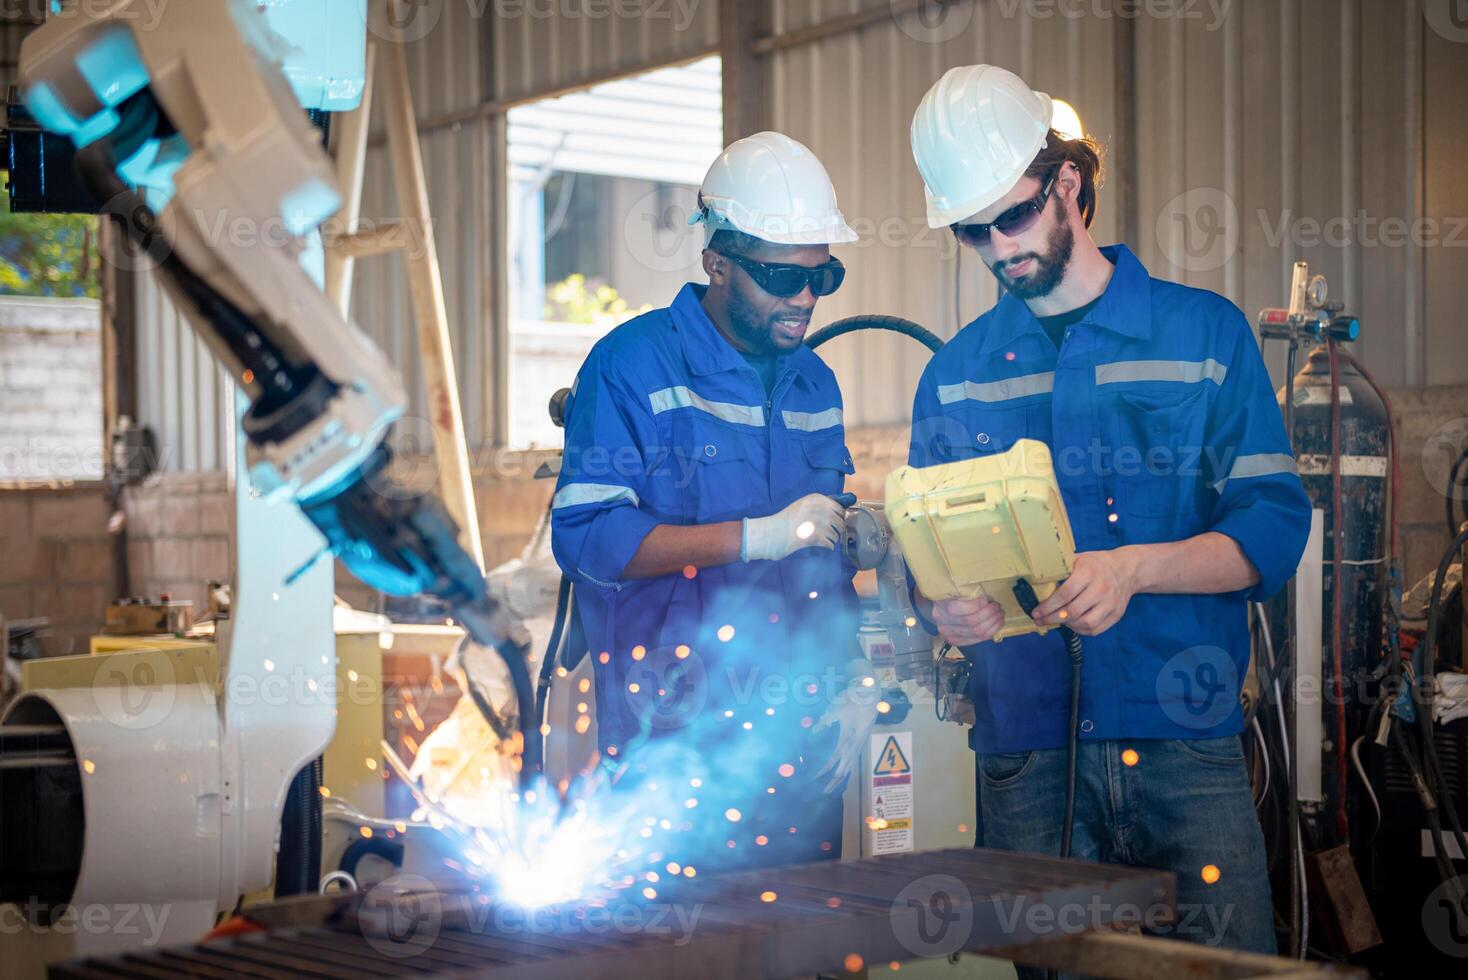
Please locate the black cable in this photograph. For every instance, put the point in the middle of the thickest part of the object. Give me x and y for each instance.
(1024, 592)
(390, 851)
(552, 649)
(298, 862)
(1073, 648)
(1428, 687)
(895, 324)
(1457, 477)
(1426, 797)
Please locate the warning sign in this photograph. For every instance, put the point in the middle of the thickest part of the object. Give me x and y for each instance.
(890, 820)
(892, 761)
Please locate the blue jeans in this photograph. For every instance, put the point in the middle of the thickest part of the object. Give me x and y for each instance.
(1184, 806)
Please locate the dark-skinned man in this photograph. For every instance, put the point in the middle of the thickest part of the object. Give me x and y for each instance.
(697, 515)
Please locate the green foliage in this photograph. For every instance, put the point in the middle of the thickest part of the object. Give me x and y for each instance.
(49, 255)
(573, 300)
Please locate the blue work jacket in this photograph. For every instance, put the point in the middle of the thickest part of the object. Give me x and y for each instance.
(668, 424)
(1162, 425)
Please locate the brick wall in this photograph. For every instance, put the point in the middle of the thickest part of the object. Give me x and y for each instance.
(57, 562)
(50, 389)
(178, 535)
(1433, 427)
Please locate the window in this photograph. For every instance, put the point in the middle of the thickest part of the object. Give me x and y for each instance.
(601, 185)
(50, 348)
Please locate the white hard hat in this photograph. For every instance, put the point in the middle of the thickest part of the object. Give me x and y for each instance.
(974, 134)
(772, 187)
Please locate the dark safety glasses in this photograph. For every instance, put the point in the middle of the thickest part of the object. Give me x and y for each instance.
(1016, 221)
(783, 280)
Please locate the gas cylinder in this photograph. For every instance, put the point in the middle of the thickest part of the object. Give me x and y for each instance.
(1365, 436)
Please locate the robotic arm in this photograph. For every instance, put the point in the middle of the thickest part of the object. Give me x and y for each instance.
(188, 130)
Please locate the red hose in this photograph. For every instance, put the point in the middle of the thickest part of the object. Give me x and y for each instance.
(1338, 535)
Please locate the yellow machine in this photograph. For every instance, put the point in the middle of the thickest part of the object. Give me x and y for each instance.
(979, 526)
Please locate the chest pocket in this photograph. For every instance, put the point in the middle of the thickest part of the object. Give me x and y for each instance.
(829, 462)
(987, 429)
(1159, 451)
(721, 469)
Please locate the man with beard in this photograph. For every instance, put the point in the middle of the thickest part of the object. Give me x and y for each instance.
(697, 515)
(1181, 489)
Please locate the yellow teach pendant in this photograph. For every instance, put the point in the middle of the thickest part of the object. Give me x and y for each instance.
(978, 526)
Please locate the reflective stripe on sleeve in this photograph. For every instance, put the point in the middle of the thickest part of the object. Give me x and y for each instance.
(1259, 464)
(578, 494)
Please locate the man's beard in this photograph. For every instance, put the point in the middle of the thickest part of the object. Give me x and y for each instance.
(753, 329)
(1049, 268)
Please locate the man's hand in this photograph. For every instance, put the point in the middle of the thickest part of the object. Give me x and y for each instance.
(964, 622)
(1095, 596)
(813, 521)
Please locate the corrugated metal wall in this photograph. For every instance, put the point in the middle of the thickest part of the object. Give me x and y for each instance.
(446, 70)
(1331, 131)
(1253, 116)
(183, 393)
(850, 98)
(542, 46)
(1267, 131)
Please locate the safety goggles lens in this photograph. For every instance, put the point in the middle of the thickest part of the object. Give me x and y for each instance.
(1016, 221)
(786, 281)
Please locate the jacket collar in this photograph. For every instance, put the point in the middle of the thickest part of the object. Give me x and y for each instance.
(1125, 307)
(704, 347)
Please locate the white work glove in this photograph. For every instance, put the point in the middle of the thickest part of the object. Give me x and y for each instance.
(814, 521)
(854, 712)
